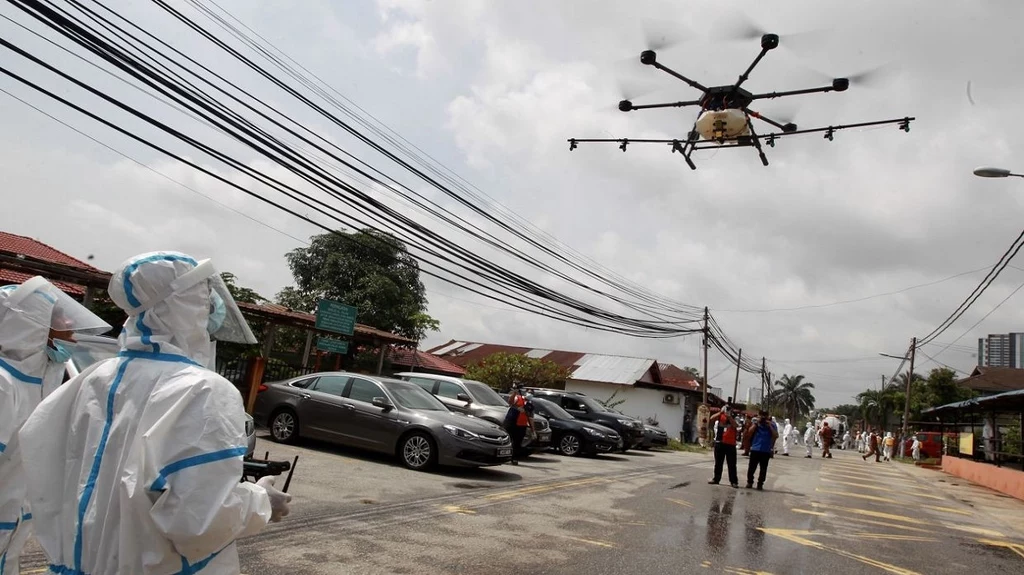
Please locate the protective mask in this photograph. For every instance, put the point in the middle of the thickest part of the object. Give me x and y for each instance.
(58, 353)
(218, 313)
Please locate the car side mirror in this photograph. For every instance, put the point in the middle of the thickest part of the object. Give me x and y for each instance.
(383, 403)
(464, 397)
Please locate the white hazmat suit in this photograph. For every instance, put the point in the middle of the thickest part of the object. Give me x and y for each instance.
(137, 462)
(809, 438)
(31, 367)
(787, 437)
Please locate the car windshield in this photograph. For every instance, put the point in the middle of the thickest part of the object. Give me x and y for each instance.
(483, 394)
(551, 409)
(412, 396)
(592, 405)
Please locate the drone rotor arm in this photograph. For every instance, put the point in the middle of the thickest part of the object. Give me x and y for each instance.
(665, 105)
(679, 76)
(765, 119)
(746, 74)
(773, 95)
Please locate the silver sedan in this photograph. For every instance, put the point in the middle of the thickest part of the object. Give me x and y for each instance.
(380, 414)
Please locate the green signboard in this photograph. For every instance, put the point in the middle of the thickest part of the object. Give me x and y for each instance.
(332, 345)
(335, 316)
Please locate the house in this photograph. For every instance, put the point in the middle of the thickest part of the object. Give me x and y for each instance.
(639, 383)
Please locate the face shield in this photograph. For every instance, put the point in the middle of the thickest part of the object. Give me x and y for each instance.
(225, 322)
(42, 303)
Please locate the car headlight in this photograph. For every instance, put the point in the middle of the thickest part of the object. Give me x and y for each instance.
(626, 422)
(460, 433)
(593, 432)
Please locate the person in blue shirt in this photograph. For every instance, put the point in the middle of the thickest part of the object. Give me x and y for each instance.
(762, 440)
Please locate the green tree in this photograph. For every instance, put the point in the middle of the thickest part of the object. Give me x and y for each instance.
(879, 405)
(368, 269)
(502, 370)
(239, 293)
(793, 395)
(942, 388)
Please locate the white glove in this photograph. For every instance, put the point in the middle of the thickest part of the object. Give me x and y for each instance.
(278, 499)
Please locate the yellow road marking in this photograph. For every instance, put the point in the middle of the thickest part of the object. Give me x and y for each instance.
(459, 510)
(682, 502)
(705, 563)
(34, 571)
(800, 538)
(635, 523)
(862, 520)
(742, 571)
(893, 537)
(858, 495)
(590, 541)
(876, 514)
(947, 509)
(1015, 547)
(836, 474)
(819, 513)
(883, 488)
(543, 488)
(973, 529)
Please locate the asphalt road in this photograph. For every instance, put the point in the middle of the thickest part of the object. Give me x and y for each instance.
(631, 514)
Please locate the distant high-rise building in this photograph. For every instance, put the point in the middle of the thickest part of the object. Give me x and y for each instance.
(1001, 350)
(754, 395)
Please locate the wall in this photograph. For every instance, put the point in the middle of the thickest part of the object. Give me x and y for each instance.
(640, 402)
(1002, 479)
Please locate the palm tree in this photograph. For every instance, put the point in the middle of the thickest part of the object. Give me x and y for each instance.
(878, 405)
(793, 395)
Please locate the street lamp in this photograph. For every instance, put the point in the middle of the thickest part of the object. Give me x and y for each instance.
(987, 172)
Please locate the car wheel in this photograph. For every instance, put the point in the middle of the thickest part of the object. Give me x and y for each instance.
(284, 426)
(418, 451)
(570, 444)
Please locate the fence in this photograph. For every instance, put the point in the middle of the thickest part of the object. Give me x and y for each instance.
(236, 371)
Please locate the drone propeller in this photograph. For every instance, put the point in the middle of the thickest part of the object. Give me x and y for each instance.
(871, 78)
(662, 34)
(741, 28)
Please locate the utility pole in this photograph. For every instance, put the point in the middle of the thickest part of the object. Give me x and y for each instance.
(764, 382)
(882, 388)
(736, 384)
(707, 333)
(906, 404)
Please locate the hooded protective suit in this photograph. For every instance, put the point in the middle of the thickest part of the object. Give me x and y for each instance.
(137, 461)
(787, 437)
(29, 371)
(809, 438)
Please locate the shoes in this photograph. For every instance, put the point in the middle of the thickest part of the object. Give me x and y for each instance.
(807, 457)
(513, 462)
(760, 487)
(864, 457)
(734, 485)
(829, 456)
(786, 454)
(750, 485)
(712, 482)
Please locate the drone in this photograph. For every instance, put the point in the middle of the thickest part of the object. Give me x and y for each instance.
(725, 118)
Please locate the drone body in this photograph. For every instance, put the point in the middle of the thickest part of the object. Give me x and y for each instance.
(725, 117)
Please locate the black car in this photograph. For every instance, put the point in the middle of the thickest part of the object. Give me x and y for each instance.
(587, 409)
(571, 436)
(654, 437)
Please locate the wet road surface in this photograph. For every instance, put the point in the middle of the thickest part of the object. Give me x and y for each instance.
(630, 514)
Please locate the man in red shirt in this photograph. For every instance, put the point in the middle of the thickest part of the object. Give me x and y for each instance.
(827, 436)
(723, 430)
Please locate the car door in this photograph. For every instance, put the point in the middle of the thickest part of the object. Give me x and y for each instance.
(448, 393)
(576, 408)
(372, 427)
(322, 411)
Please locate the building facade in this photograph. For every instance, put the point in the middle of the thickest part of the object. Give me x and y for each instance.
(1001, 350)
(755, 395)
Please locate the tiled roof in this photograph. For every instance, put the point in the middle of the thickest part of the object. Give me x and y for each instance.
(994, 379)
(8, 277)
(423, 360)
(585, 367)
(673, 376)
(273, 309)
(15, 244)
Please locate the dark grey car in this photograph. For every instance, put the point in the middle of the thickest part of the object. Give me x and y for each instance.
(380, 414)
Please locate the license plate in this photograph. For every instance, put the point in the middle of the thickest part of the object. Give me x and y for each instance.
(504, 451)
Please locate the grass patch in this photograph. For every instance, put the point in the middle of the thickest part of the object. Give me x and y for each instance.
(676, 445)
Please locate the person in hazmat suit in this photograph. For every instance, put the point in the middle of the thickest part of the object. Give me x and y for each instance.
(787, 437)
(136, 462)
(809, 439)
(37, 323)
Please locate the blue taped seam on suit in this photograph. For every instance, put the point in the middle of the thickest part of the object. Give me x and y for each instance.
(156, 356)
(90, 484)
(161, 480)
(19, 375)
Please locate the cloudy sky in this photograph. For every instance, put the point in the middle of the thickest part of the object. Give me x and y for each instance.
(806, 262)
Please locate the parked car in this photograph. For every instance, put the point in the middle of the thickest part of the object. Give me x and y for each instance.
(571, 436)
(654, 437)
(586, 408)
(89, 349)
(381, 414)
(477, 399)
